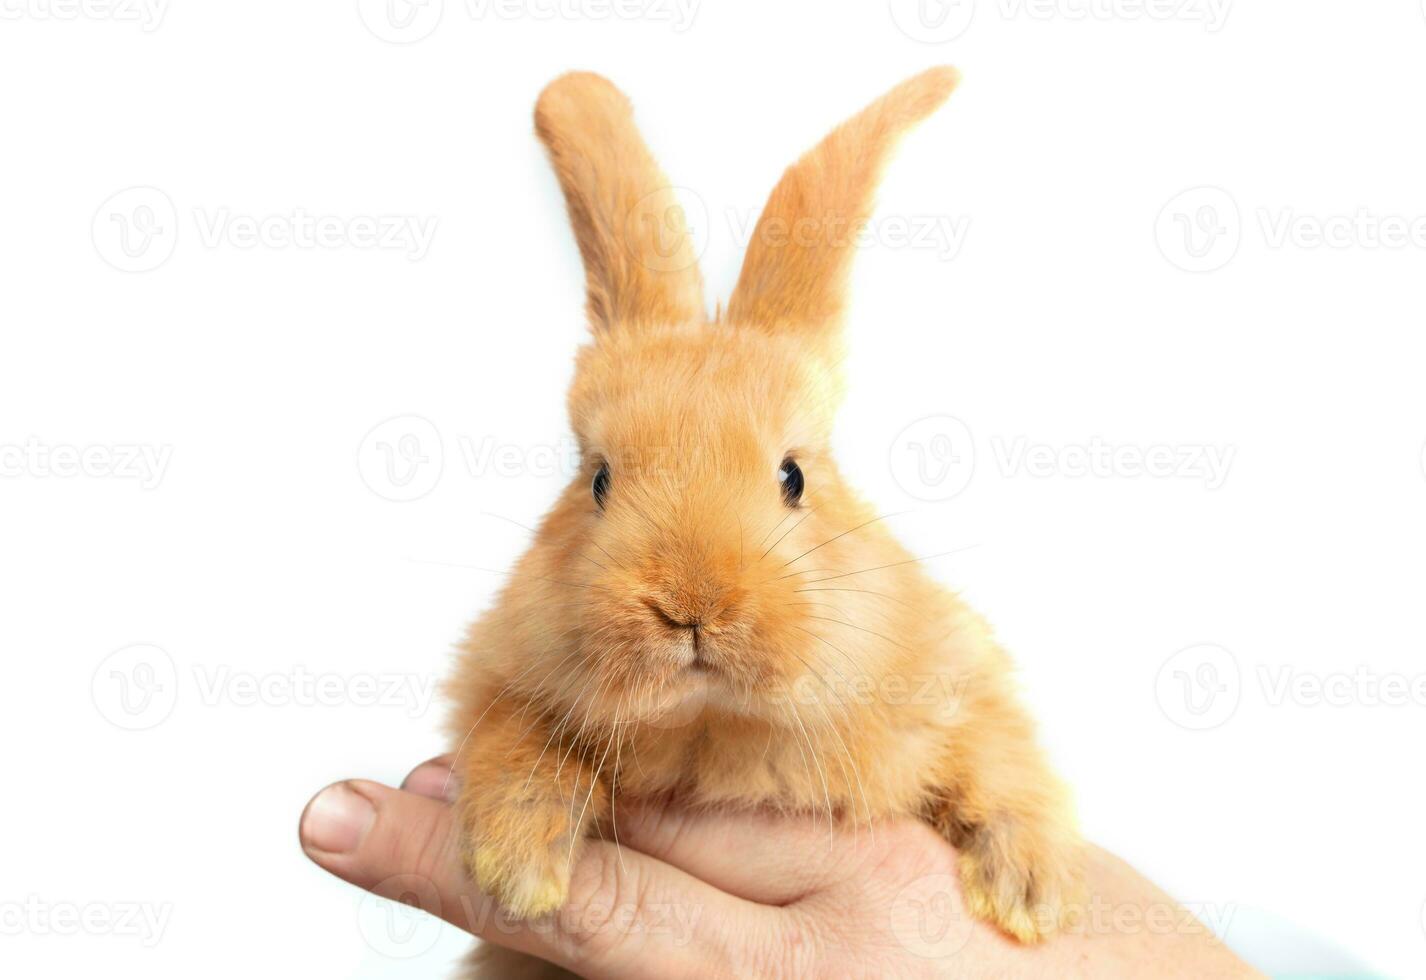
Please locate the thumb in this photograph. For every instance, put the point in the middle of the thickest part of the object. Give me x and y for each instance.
(628, 915)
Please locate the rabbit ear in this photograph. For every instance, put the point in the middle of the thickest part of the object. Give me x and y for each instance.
(639, 262)
(795, 271)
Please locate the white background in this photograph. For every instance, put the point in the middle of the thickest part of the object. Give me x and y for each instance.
(1064, 315)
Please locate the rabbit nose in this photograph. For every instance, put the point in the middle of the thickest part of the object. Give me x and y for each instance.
(673, 615)
(697, 609)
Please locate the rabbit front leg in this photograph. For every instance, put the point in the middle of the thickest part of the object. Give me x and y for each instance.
(524, 807)
(1007, 814)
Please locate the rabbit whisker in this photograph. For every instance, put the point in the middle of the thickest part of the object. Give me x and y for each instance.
(880, 636)
(786, 533)
(809, 551)
(883, 595)
(895, 564)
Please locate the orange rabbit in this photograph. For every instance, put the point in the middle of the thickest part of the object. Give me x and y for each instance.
(710, 612)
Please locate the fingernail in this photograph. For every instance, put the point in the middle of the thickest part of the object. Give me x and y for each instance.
(337, 820)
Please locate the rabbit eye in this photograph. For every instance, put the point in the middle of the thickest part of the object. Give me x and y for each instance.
(789, 474)
(600, 486)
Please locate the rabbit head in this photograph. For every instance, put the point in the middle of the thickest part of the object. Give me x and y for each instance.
(700, 546)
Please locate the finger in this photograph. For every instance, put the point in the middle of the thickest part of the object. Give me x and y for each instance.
(773, 859)
(434, 779)
(628, 915)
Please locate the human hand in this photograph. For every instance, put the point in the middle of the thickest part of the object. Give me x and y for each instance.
(742, 894)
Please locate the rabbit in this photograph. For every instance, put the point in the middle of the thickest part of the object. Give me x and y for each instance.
(709, 614)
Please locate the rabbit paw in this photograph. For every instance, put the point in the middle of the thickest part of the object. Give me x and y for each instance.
(526, 884)
(521, 855)
(1018, 881)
